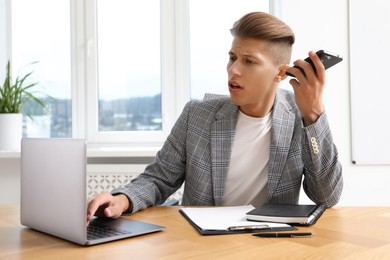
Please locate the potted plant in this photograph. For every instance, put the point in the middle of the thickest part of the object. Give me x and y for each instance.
(13, 97)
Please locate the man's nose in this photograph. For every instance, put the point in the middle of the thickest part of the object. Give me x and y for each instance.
(234, 69)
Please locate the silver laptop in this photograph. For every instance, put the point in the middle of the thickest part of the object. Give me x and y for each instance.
(53, 194)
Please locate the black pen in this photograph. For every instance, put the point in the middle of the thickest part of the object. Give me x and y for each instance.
(295, 234)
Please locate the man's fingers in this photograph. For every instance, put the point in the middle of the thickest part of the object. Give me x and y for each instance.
(97, 203)
(113, 211)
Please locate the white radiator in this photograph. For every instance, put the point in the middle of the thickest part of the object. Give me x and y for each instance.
(106, 177)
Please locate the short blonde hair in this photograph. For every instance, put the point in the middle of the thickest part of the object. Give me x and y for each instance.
(263, 26)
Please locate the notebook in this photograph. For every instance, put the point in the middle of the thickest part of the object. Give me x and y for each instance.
(53, 194)
(293, 214)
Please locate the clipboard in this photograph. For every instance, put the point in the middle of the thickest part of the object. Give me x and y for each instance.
(203, 231)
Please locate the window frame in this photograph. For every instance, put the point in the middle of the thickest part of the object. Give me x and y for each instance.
(5, 35)
(175, 64)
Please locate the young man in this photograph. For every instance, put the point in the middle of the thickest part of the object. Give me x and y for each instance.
(251, 148)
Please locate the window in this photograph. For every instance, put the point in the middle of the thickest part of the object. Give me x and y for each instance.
(41, 44)
(129, 65)
(121, 70)
(127, 71)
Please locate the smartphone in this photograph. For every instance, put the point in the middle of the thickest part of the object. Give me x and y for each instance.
(328, 59)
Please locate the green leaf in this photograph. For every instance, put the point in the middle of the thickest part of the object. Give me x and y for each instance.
(13, 96)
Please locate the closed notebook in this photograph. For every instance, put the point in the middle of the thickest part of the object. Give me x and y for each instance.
(292, 214)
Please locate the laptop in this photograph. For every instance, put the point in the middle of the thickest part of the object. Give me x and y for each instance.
(54, 194)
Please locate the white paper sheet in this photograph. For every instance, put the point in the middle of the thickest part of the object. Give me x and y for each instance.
(221, 218)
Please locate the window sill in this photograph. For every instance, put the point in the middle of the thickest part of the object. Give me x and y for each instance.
(122, 151)
(103, 151)
(9, 155)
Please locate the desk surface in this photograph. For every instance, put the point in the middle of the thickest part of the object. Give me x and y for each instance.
(341, 233)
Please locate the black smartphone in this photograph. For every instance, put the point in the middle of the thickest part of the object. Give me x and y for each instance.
(328, 59)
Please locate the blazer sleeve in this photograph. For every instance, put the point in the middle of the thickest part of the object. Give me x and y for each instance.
(164, 175)
(323, 182)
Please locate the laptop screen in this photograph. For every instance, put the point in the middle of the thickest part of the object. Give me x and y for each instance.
(53, 187)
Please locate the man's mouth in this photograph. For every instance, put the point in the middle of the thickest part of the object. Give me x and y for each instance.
(234, 85)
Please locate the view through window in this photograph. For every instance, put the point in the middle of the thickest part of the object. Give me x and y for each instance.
(129, 65)
(41, 44)
(129, 50)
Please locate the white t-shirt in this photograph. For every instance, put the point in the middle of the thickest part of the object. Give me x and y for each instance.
(247, 177)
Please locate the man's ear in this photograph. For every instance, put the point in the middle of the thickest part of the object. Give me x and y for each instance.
(282, 72)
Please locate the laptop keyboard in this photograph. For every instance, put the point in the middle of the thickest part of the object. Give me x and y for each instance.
(96, 232)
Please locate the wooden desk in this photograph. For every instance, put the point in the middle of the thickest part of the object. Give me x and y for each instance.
(341, 233)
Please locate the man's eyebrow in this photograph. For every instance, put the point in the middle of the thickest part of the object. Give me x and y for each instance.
(250, 56)
(244, 54)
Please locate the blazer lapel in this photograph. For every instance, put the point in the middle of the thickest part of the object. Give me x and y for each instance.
(222, 135)
(283, 121)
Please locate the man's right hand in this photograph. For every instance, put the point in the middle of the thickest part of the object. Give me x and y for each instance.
(107, 205)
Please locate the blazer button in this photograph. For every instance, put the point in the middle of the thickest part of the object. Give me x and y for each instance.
(314, 145)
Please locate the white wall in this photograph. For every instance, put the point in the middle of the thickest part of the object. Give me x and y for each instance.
(9, 181)
(318, 24)
(321, 24)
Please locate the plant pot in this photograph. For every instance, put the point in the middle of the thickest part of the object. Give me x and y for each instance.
(11, 127)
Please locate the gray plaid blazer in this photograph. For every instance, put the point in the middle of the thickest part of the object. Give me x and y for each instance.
(198, 148)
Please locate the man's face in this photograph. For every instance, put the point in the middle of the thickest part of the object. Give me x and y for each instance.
(253, 78)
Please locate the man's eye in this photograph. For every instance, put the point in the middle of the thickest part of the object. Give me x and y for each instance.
(249, 61)
(231, 58)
